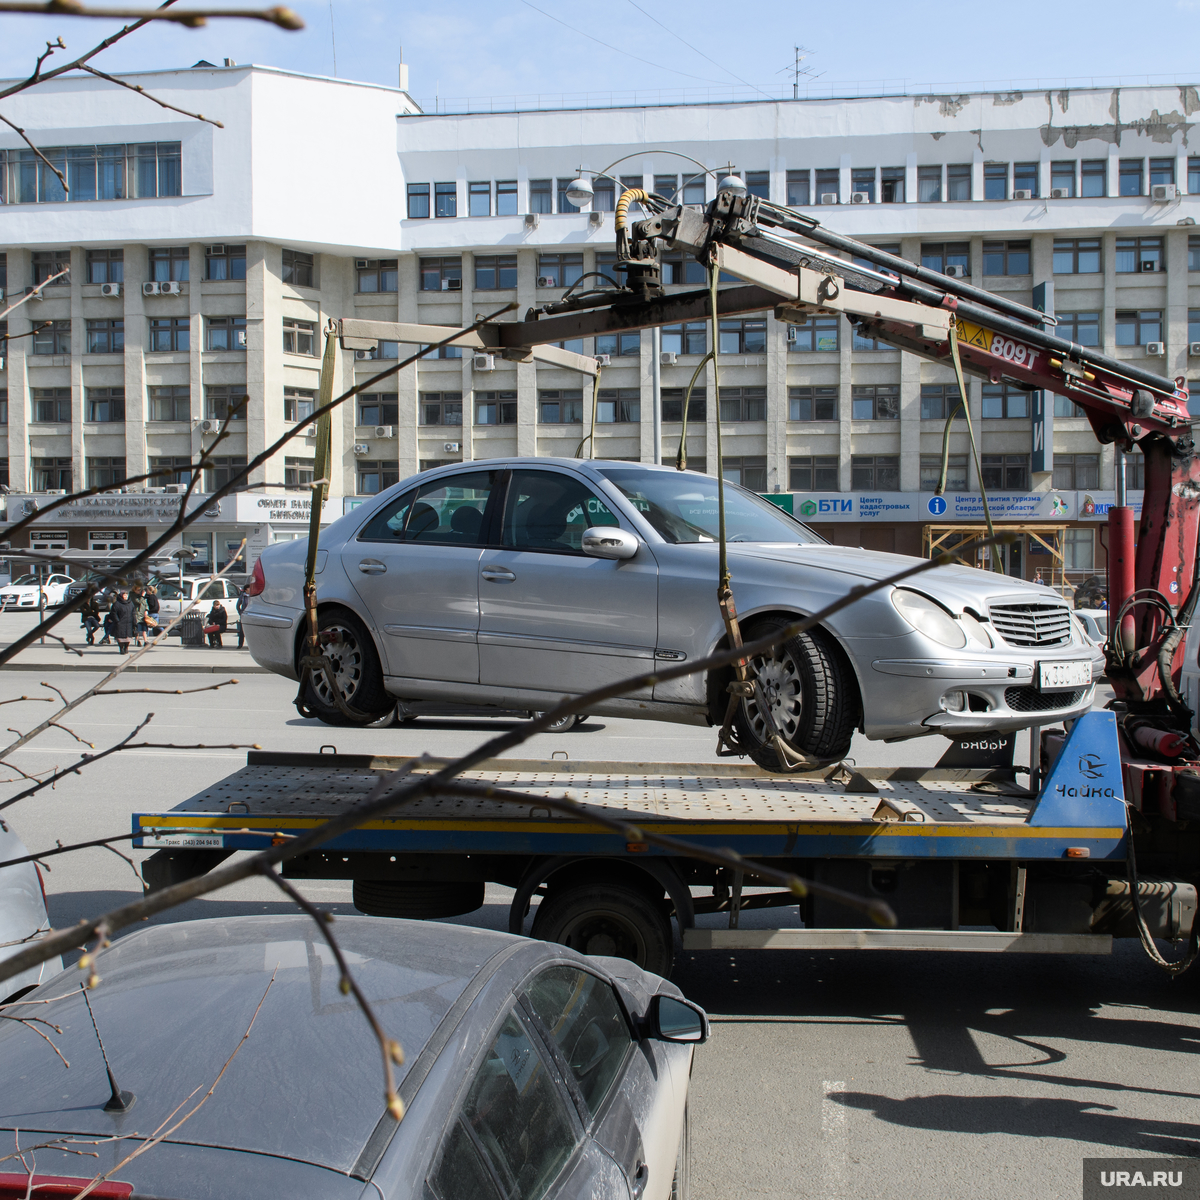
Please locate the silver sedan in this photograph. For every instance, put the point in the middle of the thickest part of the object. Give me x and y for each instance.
(518, 582)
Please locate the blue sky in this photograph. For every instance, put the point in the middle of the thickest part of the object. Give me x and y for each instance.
(504, 48)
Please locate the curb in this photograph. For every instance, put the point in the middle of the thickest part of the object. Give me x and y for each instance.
(154, 669)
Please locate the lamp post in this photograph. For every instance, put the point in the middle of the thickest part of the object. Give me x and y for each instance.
(581, 192)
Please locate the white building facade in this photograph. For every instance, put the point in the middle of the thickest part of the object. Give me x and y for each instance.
(320, 198)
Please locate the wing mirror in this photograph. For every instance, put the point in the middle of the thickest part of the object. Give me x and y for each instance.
(674, 1020)
(607, 541)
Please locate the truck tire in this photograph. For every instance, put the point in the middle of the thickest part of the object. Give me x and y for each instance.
(812, 694)
(356, 669)
(616, 920)
(421, 901)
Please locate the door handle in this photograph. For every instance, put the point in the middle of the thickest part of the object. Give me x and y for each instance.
(641, 1177)
(498, 575)
(372, 566)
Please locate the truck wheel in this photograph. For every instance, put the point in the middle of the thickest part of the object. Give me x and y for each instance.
(356, 669)
(608, 919)
(421, 901)
(812, 697)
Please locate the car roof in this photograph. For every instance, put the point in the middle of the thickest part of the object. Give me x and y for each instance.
(175, 1000)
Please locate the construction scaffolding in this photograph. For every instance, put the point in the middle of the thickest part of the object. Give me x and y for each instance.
(1051, 537)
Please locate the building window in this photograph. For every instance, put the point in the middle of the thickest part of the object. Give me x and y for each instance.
(672, 405)
(862, 182)
(495, 271)
(620, 345)
(559, 270)
(223, 402)
(297, 268)
(170, 334)
(937, 256)
(603, 195)
(3, 406)
(958, 181)
(441, 274)
(225, 333)
(1025, 179)
(1009, 472)
(51, 474)
(1079, 549)
(860, 341)
(891, 185)
(118, 172)
(1193, 325)
(1006, 258)
(105, 472)
(1064, 406)
(878, 403)
(875, 472)
(3, 263)
(1080, 327)
(495, 408)
(956, 472)
(995, 181)
(820, 331)
(51, 262)
(299, 337)
(225, 262)
(418, 200)
(298, 472)
(748, 336)
(541, 196)
(813, 473)
(929, 185)
(1076, 471)
(170, 468)
(1062, 177)
(1076, 256)
(564, 202)
(1135, 471)
(797, 189)
(53, 338)
(1003, 400)
(375, 477)
(937, 400)
(829, 187)
(758, 183)
(560, 407)
(169, 263)
(1093, 177)
(680, 268)
(170, 403)
(689, 338)
(51, 406)
(1136, 327)
(619, 406)
(106, 266)
(381, 349)
(441, 408)
(743, 404)
(606, 264)
(105, 337)
(379, 408)
(298, 404)
(445, 200)
(666, 186)
(632, 183)
(105, 404)
(1194, 254)
(222, 471)
(1129, 177)
(750, 472)
(812, 404)
(376, 274)
(479, 199)
(506, 197)
(1162, 170)
(1135, 255)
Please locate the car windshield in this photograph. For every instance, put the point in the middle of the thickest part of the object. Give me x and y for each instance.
(25, 581)
(682, 506)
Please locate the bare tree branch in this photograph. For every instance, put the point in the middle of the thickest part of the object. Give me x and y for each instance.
(30, 699)
(137, 87)
(29, 1023)
(212, 687)
(25, 138)
(12, 337)
(192, 18)
(34, 291)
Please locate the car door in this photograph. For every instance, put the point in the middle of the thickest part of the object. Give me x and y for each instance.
(552, 618)
(415, 566)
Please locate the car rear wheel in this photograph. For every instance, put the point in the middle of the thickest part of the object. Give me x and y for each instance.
(356, 672)
(563, 724)
(809, 691)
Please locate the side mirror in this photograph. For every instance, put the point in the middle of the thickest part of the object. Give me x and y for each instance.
(607, 541)
(673, 1020)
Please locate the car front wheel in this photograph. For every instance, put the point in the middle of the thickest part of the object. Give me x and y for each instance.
(356, 672)
(563, 724)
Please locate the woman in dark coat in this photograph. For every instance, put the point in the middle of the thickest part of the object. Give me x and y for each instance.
(216, 623)
(122, 611)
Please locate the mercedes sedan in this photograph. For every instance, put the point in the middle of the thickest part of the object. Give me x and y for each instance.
(516, 583)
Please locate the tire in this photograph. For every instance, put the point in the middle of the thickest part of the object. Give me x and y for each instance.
(681, 1183)
(563, 724)
(421, 901)
(356, 668)
(812, 694)
(388, 721)
(616, 920)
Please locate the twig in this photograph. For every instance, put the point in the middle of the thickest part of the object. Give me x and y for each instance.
(137, 87)
(12, 337)
(63, 642)
(28, 1022)
(192, 18)
(132, 865)
(61, 849)
(83, 741)
(212, 687)
(25, 138)
(34, 291)
(30, 699)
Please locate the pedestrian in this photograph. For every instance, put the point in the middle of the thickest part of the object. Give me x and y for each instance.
(138, 597)
(242, 601)
(216, 623)
(124, 621)
(152, 607)
(89, 618)
(110, 626)
(1037, 578)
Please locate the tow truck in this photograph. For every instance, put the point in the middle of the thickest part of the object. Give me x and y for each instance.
(967, 856)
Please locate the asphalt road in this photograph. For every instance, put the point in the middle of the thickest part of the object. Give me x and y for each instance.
(828, 1076)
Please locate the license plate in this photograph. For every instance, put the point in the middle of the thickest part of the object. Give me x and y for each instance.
(1063, 676)
(208, 841)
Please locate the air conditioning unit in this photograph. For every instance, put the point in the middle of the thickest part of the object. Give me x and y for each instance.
(829, 198)
(216, 250)
(1194, 349)
(311, 432)
(361, 449)
(860, 197)
(1155, 349)
(110, 289)
(1022, 193)
(451, 447)
(532, 220)
(385, 431)
(955, 271)
(151, 289)
(1060, 193)
(667, 358)
(547, 281)
(603, 360)
(209, 426)
(1149, 264)
(170, 289)
(362, 264)
(360, 355)
(451, 285)
(483, 362)
(1162, 192)
(595, 219)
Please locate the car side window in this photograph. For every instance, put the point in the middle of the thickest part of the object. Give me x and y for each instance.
(461, 1171)
(214, 591)
(447, 511)
(583, 1017)
(514, 1118)
(545, 510)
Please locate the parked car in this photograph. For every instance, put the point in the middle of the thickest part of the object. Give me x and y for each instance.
(27, 592)
(529, 1070)
(1093, 623)
(172, 597)
(516, 583)
(104, 594)
(22, 913)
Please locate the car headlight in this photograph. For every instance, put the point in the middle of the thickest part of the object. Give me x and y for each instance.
(976, 631)
(928, 618)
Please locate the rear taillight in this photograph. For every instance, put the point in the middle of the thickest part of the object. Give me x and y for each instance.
(14, 1185)
(258, 580)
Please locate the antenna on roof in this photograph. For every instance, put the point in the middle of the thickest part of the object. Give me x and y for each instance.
(797, 71)
(119, 1101)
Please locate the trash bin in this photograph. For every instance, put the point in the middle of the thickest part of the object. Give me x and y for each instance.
(191, 630)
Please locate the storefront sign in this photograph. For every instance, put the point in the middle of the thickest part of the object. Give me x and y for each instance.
(254, 508)
(137, 508)
(954, 507)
